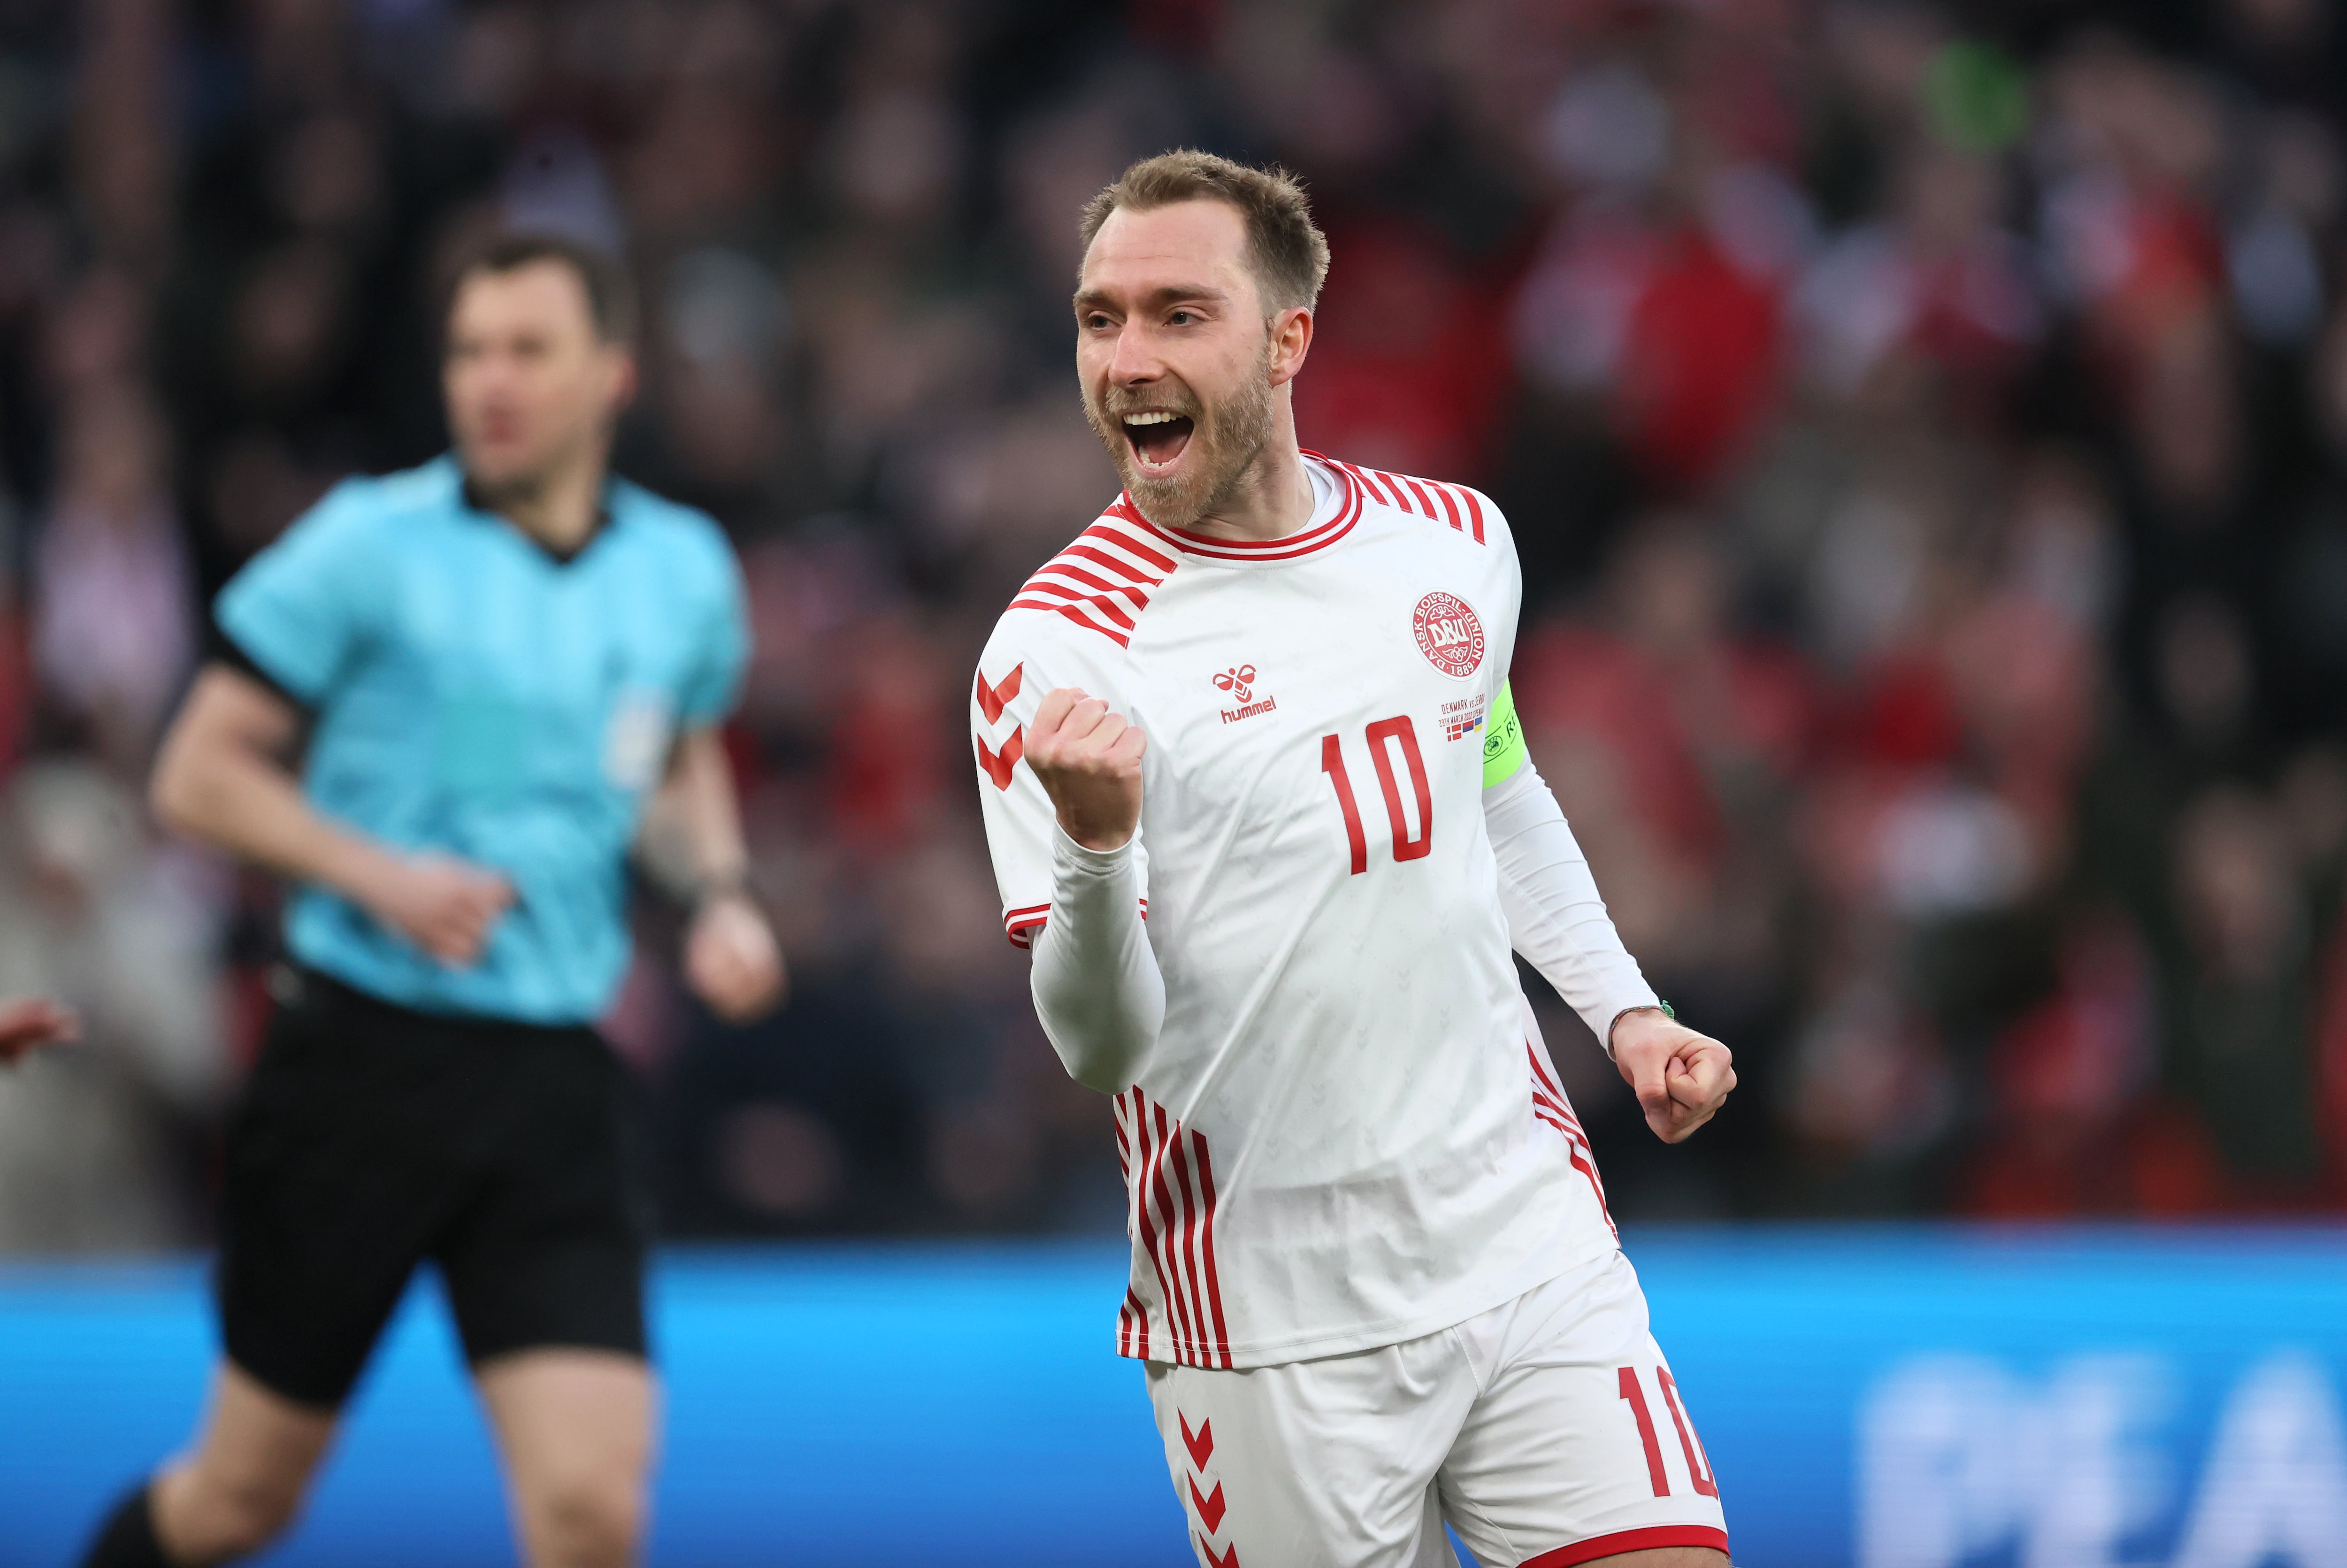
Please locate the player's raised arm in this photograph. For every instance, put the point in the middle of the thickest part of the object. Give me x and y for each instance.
(1557, 920)
(1098, 990)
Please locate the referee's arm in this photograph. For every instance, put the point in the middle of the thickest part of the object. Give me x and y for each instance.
(224, 776)
(691, 844)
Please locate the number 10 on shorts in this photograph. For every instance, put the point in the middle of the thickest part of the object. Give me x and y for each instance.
(1698, 1463)
(1385, 737)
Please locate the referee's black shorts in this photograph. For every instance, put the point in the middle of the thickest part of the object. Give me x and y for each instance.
(372, 1137)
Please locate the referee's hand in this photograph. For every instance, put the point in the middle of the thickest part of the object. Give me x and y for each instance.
(445, 906)
(732, 959)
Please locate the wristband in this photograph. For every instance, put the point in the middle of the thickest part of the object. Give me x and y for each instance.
(711, 888)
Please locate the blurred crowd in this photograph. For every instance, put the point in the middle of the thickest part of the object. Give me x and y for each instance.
(1924, 428)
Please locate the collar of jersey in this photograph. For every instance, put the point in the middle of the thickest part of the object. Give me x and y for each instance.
(469, 501)
(1319, 536)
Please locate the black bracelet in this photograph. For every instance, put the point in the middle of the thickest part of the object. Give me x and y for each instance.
(1657, 1005)
(714, 889)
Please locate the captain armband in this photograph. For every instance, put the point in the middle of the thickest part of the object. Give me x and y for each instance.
(1503, 740)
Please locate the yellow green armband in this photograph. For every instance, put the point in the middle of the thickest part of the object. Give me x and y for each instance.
(1503, 740)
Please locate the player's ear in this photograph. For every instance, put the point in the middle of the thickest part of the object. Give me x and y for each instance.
(1291, 340)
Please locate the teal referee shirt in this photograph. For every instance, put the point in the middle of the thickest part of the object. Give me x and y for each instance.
(475, 695)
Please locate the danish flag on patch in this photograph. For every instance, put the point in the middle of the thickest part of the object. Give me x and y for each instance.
(992, 700)
(998, 765)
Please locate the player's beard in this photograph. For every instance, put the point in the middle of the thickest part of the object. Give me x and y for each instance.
(1225, 440)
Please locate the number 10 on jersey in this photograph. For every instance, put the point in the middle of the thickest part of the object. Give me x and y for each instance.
(1385, 737)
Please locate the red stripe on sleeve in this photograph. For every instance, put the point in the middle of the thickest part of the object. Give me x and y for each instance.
(1017, 924)
(1040, 590)
(1092, 582)
(1070, 598)
(1449, 505)
(1132, 514)
(1361, 479)
(1122, 568)
(1076, 615)
(1474, 512)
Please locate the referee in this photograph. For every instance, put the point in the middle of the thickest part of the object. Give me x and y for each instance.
(510, 669)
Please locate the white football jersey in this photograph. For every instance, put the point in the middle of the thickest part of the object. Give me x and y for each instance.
(1346, 1134)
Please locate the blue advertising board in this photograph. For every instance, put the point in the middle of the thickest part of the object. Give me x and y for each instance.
(1881, 1397)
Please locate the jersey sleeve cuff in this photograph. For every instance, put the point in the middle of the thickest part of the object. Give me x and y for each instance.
(1066, 851)
(222, 647)
(1021, 924)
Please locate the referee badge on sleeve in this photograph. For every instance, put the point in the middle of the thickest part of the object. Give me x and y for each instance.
(636, 740)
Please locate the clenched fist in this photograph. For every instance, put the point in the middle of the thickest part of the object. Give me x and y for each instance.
(1088, 761)
(1681, 1078)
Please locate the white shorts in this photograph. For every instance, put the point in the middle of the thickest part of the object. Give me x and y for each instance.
(1547, 1431)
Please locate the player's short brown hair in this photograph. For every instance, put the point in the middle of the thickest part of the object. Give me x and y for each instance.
(610, 292)
(1290, 255)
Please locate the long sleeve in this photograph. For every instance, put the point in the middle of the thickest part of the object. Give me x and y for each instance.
(1097, 989)
(1555, 918)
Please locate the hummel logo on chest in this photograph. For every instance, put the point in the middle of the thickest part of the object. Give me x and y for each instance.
(1239, 681)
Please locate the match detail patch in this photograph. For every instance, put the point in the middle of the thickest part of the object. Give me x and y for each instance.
(1464, 717)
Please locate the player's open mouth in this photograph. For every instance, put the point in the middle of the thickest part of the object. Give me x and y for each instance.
(1158, 436)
